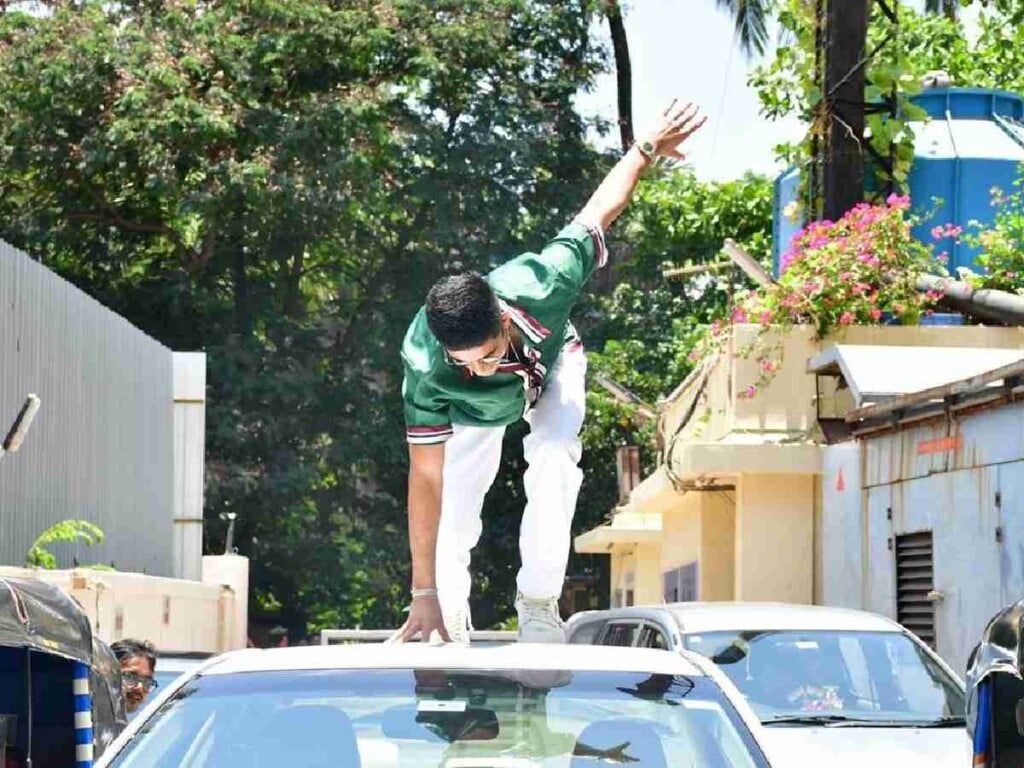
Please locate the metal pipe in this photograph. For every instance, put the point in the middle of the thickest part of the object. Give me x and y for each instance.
(988, 304)
(19, 429)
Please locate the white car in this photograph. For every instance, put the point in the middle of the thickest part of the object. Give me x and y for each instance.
(169, 668)
(832, 687)
(414, 705)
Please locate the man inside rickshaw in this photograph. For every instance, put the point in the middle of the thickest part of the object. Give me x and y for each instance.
(138, 667)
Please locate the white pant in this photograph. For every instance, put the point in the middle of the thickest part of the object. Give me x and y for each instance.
(552, 481)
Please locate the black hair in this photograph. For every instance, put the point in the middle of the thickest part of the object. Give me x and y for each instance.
(463, 312)
(130, 649)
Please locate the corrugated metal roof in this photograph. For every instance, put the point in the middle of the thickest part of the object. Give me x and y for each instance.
(101, 447)
(877, 373)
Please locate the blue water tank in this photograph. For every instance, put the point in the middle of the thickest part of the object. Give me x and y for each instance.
(972, 142)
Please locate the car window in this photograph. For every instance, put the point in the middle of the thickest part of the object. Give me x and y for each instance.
(586, 632)
(651, 637)
(868, 675)
(621, 634)
(434, 717)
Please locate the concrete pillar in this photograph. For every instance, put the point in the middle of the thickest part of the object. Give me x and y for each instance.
(189, 461)
(231, 571)
(717, 580)
(775, 538)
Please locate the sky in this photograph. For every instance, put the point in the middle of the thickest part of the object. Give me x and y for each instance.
(686, 49)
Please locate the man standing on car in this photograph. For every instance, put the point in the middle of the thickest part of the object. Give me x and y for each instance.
(483, 353)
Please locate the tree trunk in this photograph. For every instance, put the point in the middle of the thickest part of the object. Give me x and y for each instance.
(845, 41)
(623, 71)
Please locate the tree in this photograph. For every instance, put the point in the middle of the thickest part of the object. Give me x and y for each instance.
(64, 532)
(623, 71)
(275, 183)
(751, 21)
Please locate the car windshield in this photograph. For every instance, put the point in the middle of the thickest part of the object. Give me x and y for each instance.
(415, 718)
(842, 676)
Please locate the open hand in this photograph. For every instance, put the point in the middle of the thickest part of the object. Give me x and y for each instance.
(424, 619)
(676, 126)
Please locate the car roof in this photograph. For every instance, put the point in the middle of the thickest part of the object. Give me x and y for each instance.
(711, 617)
(176, 664)
(516, 656)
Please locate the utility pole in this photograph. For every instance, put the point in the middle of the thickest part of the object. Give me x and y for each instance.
(845, 44)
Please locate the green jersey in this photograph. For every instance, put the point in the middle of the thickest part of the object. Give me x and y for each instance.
(538, 291)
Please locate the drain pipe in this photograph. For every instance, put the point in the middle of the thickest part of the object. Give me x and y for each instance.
(986, 304)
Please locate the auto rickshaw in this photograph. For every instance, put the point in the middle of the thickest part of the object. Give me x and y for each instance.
(61, 701)
(995, 692)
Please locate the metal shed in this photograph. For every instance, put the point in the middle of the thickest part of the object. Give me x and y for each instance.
(923, 514)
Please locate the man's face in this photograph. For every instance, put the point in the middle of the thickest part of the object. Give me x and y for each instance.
(485, 359)
(137, 675)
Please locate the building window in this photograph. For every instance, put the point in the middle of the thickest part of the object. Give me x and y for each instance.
(914, 580)
(680, 584)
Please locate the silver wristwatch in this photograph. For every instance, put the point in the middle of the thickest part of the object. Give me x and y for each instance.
(646, 149)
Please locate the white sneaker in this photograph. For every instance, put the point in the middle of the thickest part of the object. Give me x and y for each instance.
(539, 621)
(458, 625)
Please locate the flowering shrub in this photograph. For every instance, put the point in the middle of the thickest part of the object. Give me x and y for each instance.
(1001, 253)
(861, 269)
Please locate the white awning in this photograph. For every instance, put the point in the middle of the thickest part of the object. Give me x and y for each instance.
(625, 528)
(878, 373)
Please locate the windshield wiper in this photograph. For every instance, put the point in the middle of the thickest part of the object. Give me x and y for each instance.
(834, 720)
(809, 719)
(943, 722)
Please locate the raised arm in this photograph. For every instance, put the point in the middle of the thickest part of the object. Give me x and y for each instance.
(676, 125)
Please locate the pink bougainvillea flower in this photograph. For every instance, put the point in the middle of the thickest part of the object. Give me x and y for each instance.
(846, 318)
(768, 366)
(749, 392)
(898, 202)
(938, 232)
(876, 314)
(739, 315)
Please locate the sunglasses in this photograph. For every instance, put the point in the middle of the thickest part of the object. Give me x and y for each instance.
(138, 681)
(489, 360)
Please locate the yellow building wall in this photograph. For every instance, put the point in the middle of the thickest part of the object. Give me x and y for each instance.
(637, 567)
(648, 574)
(701, 528)
(775, 538)
(717, 572)
(680, 532)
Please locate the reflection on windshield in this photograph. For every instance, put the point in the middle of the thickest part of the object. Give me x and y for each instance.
(789, 676)
(398, 718)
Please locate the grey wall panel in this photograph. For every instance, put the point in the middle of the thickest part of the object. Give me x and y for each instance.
(101, 447)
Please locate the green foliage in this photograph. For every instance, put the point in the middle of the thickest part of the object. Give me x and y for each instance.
(276, 183)
(1001, 255)
(923, 43)
(64, 532)
(641, 333)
